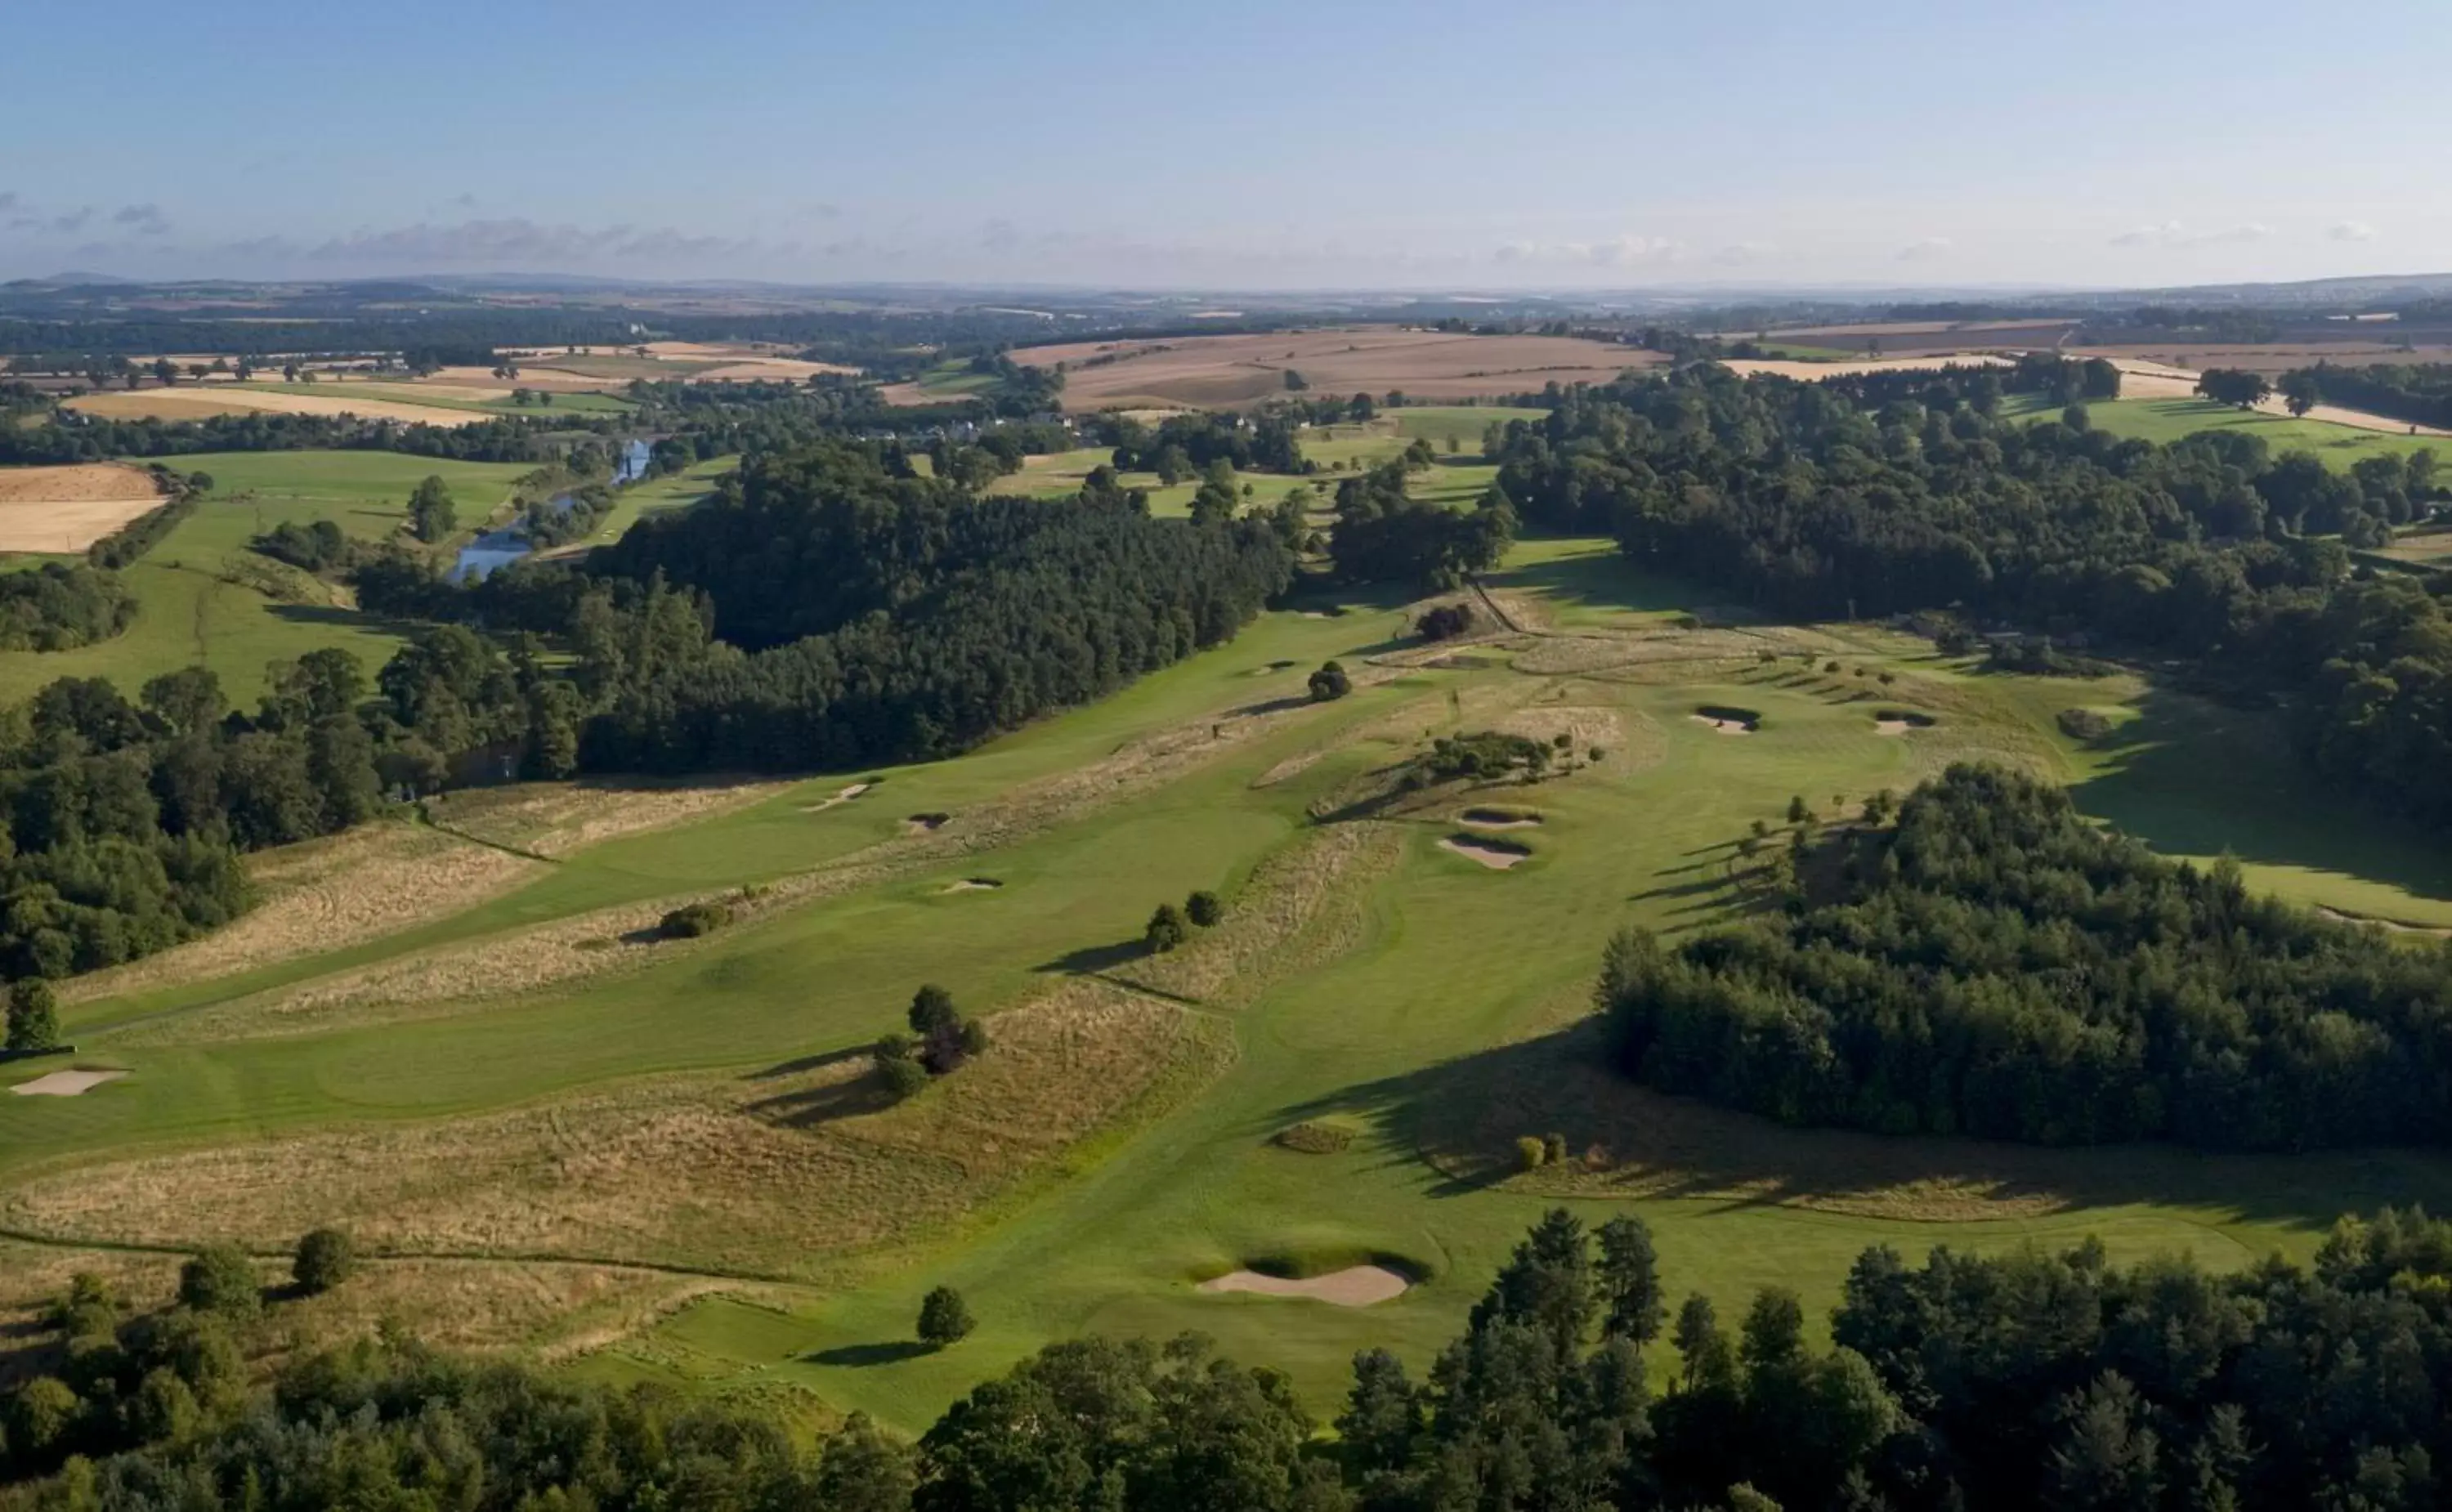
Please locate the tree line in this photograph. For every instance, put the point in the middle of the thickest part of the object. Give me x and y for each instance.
(2031, 1379)
(2212, 548)
(1994, 965)
(2419, 393)
(59, 606)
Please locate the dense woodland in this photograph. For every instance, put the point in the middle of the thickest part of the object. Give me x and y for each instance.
(2028, 1380)
(91, 439)
(2419, 393)
(1995, 965)
(2213, 548)
(865, 617)
(59, 606)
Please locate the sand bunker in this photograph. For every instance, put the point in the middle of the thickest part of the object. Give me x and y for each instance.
(65, 1084)
(1721, 725)
(1496, 854)
(842, 796)
(972, 884)
(67, 509)
(1899, 721)
(1354, 1287)
(1500, 819)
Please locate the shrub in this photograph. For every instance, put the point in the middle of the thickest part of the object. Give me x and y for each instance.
(1330, 682)
(943, 1318)
(325, 1257)
(1531, 1151)
(1445, 621)
(691, 920)
(902, 1074)
(974, 1037)
(1203, 909)
(34, 1017)
(219, 1279)
(1166, 930)
(1314, 1139)
(2083, 724)
(933, 1011)
(1553, 1149)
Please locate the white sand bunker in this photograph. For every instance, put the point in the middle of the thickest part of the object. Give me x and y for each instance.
(972, 884)
(1500, 819)
(1723, 723)
(65, 1084)
(842, 796)
(1354, 1287)
(1494, 855)
(1899, 721)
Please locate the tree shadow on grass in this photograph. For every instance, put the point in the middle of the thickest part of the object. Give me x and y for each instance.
(1461, 1119)
(1090, 961)
(2191, 776)
(808, 1107)
(862, 1356)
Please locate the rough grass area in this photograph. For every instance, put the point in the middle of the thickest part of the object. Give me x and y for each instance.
(776, 1173)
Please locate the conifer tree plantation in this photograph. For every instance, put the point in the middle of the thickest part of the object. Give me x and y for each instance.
(893, 760)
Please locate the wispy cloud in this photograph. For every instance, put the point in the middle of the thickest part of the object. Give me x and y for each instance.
(2175, 233)
(143, 219)
(73, 222)
(8, 201)
(1925, 249)
(1617, 252)
(515, 241)
(2351, 231)
(1738, 253)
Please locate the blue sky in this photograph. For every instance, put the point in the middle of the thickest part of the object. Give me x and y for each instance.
(1335, 143)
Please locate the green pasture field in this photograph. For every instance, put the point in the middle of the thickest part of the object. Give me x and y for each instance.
(2170, 420)
(420, 394)
(1442, 1015)
(193, 611)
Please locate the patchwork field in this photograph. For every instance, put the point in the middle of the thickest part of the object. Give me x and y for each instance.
(668, 1161)
(204, 598)
(57, 510)
(1225, 371)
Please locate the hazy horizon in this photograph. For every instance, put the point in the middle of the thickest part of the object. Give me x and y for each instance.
(1272, 147)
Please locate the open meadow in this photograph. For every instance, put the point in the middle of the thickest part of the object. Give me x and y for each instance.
(668, 1160)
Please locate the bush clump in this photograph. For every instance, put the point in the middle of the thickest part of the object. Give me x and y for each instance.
(1446, 621)
(1203, 909)
(219, 1279)
(691, 920)
(1330, 682)
(325, 1257)
(1314, 1139)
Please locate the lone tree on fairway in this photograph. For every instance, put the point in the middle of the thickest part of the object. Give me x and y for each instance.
(1166, 930)
(943, 1318)
(1203, 909)
(34, 1017)
(325, 1257)
(219, 1279)
(1330, 681)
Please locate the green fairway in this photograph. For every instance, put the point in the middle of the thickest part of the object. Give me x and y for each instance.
(201, 594)
(1425, 1001)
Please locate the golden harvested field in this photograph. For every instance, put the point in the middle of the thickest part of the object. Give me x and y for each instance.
(160, 403)
(69, 508)
(2268, 358)
(1205, 371)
